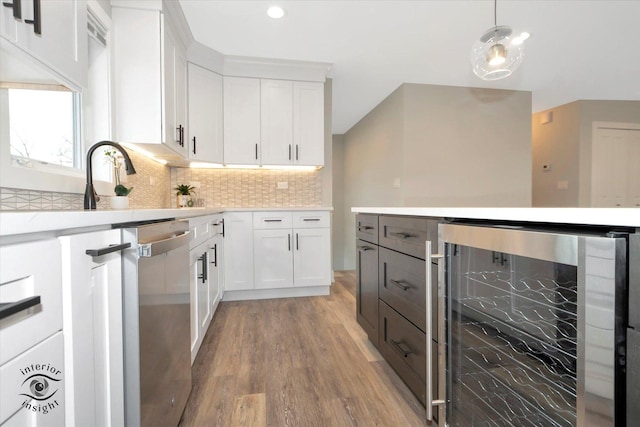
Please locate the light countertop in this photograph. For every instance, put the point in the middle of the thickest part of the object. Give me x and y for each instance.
(22, 222)
(622, 217)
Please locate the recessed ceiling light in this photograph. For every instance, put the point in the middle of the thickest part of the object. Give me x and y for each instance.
(275, 12)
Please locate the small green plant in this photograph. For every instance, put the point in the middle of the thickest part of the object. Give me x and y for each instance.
(184, 190)
(115, 159)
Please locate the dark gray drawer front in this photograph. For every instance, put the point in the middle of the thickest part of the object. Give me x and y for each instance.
(367, 227)
(367, 288)
(403, 346)
(408, 234)
(403, 286)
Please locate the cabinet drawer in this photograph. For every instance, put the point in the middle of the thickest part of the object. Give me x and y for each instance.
(403, 345)
(44, 363)
(29, 270)
(367, 227)
(200, 228)
(403, 286)
(272, 220)
(408, 235)
(311, 219)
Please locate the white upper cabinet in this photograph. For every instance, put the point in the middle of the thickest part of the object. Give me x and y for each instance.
(57, 36)
(308, 123)
(149, 82)
(273, 122)
(205, 128)
(276, 114)
(241, 121)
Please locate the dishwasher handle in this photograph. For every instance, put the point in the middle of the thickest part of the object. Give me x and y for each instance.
(9, 308)
(107, 250)
(158, 247)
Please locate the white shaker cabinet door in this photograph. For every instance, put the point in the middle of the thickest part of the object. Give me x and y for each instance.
(273, 260)
(92, 324)
(312, 257)
(241, 121)
(308, 123)
(205, 115)
(276, 122)
(238, 251)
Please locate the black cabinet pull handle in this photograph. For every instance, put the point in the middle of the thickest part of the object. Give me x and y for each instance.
(311, 219)
(256, 151)
(215, 255)
(204, 276)
(289, 241)
(399, 283)
(365, 248)
(9, 308)
(36, 21)
(17, 8)
(297, 243)
(222, 222)
(365, 227)
(401, 235)
(109, 249)
(289, 151)
(397, 345)
(272, 220)
(194, 145)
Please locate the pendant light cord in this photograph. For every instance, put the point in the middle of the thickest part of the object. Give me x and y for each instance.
(495, 13)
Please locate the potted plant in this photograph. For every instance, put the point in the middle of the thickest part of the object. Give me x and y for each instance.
(183, 191)
(121, 199)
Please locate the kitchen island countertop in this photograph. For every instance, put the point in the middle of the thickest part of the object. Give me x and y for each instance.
(619, 217)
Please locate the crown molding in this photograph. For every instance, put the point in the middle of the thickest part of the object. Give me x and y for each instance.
(244, 66)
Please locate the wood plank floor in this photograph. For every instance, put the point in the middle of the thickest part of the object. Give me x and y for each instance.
(296, 362)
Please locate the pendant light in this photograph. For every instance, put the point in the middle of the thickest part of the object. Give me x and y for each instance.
(497, 54)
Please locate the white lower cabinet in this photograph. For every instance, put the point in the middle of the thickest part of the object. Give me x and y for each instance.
(273, 259)
(206, 272)
(238, 251)
(288, 253)
(200, 296)
(312, 257)
(92, 324)
(31, 337)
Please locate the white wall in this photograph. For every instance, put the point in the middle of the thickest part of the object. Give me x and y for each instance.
(565, 143)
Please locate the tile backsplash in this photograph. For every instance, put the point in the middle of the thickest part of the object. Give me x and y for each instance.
(153, 188)
(247, 188)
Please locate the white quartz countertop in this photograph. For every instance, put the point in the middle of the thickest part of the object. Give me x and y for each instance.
(621, 217)
(23, 222)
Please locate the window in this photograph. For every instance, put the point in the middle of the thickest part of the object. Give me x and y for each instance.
(42, 125)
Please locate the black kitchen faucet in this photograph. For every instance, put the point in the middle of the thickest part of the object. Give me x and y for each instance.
(90, 197)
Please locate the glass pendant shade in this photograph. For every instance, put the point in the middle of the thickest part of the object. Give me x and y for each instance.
(495, 55)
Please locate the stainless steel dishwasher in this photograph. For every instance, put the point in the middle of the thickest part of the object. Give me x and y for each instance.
(156, 311)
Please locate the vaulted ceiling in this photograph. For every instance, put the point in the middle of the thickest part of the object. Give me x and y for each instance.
(584, 49)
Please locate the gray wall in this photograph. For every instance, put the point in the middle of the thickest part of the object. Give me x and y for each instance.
(427, 145)
(338, 203)
(565, 143)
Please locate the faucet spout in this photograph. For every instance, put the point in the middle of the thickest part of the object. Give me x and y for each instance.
(90, 197)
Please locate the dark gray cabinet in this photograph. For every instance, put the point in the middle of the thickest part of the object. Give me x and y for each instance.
(367, 288)
(395, 294)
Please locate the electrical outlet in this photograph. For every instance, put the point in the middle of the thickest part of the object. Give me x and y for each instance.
(283, 185)
(546, 167)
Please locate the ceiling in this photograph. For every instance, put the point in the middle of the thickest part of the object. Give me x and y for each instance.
(578, 49)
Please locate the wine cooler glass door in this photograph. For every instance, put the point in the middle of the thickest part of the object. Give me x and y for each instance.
(519, 352)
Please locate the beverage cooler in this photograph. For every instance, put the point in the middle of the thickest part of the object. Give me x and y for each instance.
(535, 326)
